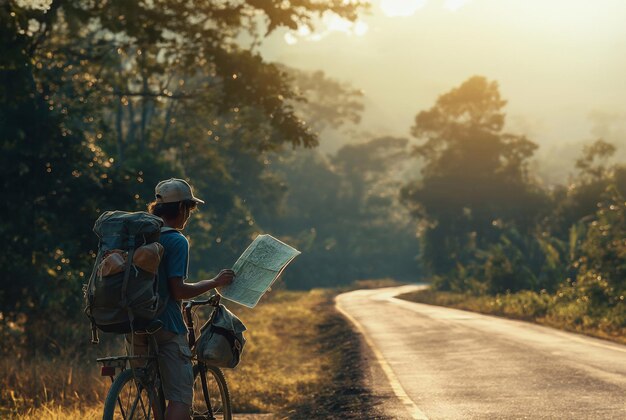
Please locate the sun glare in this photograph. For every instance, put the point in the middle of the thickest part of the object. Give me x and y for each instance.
(399, 8)
(330, 23)
(454, 5)
(394, 8)
(360, 28)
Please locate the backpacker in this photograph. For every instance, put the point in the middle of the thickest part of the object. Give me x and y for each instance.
(221, 339)
(122, 293)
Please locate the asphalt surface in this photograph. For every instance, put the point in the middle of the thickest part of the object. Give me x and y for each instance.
(441, 363)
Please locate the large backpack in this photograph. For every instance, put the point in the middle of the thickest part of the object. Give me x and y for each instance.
(121, 296)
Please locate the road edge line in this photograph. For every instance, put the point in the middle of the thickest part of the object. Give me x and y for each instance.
(397, 388)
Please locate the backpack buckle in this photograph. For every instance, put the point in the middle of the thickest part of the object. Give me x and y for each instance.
(95, 339)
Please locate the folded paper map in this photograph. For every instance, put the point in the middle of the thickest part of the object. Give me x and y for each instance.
(257, 268)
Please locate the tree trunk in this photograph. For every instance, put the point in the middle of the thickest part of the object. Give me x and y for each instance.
(120, 134)
(144, 114)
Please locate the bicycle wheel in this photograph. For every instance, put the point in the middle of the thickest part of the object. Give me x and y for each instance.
(211, 399)
(128, 400)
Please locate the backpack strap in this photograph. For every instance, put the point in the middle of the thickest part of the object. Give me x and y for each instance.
(129, 259)
(89, 293)
(165, 230)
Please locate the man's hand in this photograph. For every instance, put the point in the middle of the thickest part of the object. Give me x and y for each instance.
(181, 290)
(224, 278)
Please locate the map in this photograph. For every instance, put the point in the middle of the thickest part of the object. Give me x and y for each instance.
(257, 269)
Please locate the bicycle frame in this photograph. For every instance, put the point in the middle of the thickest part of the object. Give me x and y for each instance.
(148, 375)
(212, 301)
(205, 387)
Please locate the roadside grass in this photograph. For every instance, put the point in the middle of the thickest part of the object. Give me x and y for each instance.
(372, 284)
(297, 346)
(283, 364)
(64, 385)
(54, 411)
(541, 308)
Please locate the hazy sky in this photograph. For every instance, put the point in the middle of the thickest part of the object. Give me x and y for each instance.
(561, 64)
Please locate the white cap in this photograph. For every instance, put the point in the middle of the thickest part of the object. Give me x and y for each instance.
(174, 190)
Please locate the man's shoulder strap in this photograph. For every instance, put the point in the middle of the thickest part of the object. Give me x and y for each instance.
(167, 229)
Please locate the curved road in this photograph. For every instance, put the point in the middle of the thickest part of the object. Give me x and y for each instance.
(445, 363)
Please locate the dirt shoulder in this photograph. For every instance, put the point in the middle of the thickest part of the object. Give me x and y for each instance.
(355, 386)
(347, 392)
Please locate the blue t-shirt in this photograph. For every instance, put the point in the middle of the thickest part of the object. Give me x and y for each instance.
(175, 263)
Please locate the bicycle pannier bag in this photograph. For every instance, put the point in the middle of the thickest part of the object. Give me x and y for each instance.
(221, 339)
(122, 293)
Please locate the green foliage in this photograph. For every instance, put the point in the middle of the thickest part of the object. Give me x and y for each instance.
(330, 104)
(502, 244)
(599, 287)
(474, 176)
(100, 100)
(342, 212)
(580, 199)
(47, 171)
(599, 150)
(524, 262)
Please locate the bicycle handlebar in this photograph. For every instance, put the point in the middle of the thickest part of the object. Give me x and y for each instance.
(212, 301)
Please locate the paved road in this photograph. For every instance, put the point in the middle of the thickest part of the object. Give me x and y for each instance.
(448, 364)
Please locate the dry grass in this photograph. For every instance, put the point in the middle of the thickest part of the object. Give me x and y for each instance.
(282, 364)
(540, 308)
(285, 363)
(55, 385)
(53, 411)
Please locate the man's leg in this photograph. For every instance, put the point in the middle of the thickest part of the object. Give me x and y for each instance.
(176, 374)
(177, 411)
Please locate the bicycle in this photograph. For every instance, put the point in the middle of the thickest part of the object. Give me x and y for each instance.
(136, 393)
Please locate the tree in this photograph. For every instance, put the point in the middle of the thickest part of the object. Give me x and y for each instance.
(54, 183)
(342, 212)
(148, 62)
(99, 100)
(587, 164)
(327, 103)
(474, 177)
(188, 93)
(579, 201)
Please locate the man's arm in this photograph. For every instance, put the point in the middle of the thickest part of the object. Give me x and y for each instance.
(180, 290)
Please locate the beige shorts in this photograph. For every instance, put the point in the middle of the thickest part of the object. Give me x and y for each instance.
(174, 363)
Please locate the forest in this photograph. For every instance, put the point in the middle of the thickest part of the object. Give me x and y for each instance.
(101, 100)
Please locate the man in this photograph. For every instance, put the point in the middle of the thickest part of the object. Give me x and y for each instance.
(174, 204)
